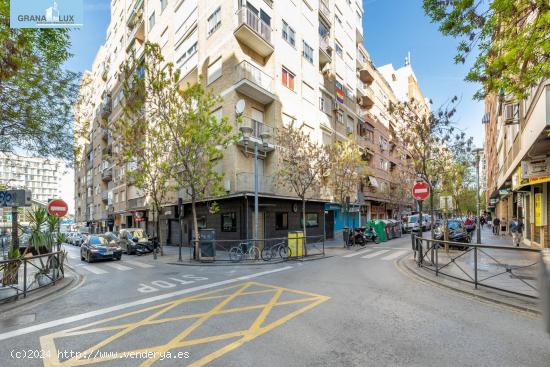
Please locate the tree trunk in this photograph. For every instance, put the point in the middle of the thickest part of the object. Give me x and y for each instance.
(305, 224)
(195, 228)
(157, 230)
(432, 212)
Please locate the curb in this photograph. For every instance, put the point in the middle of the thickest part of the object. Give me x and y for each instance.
(229, 263)
(403, 265)
(67, 283)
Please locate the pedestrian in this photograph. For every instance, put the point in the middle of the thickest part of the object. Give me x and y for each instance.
(516, 228)
(482, 221)
(496, 226)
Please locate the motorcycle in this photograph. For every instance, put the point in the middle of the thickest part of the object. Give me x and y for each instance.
(357, 237)
(370, 235)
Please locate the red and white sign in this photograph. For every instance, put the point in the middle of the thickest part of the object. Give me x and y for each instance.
(58, 207)
(421, 190)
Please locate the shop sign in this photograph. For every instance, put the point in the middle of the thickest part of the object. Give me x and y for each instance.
(504, 191)
(536, 168)
(538, 209)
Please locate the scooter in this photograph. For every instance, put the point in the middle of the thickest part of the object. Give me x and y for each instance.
(357, 237)
(370, 235)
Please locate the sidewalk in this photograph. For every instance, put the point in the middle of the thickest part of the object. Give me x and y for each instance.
(513, 269)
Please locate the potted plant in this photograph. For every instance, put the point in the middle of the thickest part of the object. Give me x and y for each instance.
(9, 271)
(40, 240)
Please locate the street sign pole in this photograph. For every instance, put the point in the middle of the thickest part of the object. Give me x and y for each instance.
(14, 229)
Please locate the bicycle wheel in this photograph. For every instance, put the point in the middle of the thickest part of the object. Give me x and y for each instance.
(235, 254)
(267, 253)
(284, 252)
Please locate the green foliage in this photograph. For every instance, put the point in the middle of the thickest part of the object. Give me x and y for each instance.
(510, 38)
(37, 94)
(347, 169)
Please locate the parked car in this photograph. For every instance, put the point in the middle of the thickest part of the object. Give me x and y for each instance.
(457, 232)
(77, 238)
(111, 237)
(134, 241)
(97, 247)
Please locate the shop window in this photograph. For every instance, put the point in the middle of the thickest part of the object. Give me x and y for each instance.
(281, 221)
(312, 220)
(229, 222)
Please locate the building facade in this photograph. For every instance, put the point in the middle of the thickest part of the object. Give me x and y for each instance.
(517, 152)
(284, 61)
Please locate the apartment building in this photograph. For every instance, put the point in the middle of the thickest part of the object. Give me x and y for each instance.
(517, 152)
(283, 60)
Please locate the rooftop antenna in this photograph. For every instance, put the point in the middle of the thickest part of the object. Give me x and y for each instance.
(408, 59)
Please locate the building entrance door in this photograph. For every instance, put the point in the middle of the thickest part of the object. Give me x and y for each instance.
(329, 224)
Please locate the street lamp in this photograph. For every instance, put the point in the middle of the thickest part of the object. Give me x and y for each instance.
(477, 152)
(248, 138)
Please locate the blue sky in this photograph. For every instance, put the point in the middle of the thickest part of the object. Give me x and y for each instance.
(392, 28)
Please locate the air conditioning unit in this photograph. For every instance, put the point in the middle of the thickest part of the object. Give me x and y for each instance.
(511, 113)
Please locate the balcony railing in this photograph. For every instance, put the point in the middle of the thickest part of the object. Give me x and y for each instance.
(249, 18)
(245, 182)
(324, 9)
(258, 128)
(246, 70)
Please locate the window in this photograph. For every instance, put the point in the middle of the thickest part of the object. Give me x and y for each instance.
(152, 21)
(339, 49)
(288, 34)
(325, 103)
(308, 52)
(281, 221)
(287, 78)
(308, 93)
(214, 21)
(229, 222)
(214, 71)
(312, 220)
(340, 116)
(163, 4)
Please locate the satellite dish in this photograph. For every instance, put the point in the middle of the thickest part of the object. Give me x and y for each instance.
(239, 106)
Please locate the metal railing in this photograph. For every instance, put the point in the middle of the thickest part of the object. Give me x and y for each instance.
(258, 128)
(249, 18)
(245, 70)
(262, 250)
(489, 266)
(323, 8)
(18, 277)
(324, 44)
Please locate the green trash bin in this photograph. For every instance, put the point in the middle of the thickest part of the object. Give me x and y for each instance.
(389, 229)
(380, 228)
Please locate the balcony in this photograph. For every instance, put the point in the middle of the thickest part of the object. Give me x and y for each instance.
(104, 195)
(324, 11)
(366, 75)
(257, 130)
(107, 173)
(253, 32)
(106, 108)
(366, 98)
(136, 23)
(245, 183)
(105, 134)
(325, 51)
(254, 83)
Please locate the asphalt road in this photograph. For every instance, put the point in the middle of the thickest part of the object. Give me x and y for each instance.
(353, 309)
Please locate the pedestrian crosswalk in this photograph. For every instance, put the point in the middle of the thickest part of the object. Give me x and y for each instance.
(104, 267)
(379, 253)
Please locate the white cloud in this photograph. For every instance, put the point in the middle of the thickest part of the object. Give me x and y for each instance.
(67, 189)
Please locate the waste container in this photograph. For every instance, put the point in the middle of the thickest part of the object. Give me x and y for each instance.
(397, 228)
(389, 229)
(207, 244)
(380, 229)
(296, 243)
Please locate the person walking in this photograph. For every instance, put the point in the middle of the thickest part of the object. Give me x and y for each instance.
(516, 228)
(496, 226)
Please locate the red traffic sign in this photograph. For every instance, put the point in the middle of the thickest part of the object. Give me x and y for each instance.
(58, 207)
(421, 190)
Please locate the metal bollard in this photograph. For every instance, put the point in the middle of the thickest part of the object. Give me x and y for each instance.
(545, 287)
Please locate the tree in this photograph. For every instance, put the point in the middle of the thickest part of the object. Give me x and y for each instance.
(511, 37)
(196, 137)
(429, 138)
(347, 169)
(302, 164)
(140, 138)
(37, 94)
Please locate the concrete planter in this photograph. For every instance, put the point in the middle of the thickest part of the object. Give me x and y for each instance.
(7, 292)
(43, 279)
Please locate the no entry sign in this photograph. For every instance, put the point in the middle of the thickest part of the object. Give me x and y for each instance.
(421, 191)
(58, 207)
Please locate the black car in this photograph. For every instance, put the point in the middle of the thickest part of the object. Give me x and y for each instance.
(457, 232)
(98, 247)
(134, 241)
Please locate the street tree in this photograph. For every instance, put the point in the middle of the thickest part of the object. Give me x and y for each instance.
(196, 137)
(37, 93)
(429, 138)
(346, 171)
(140, 138)
(509, 39)
(302, 164)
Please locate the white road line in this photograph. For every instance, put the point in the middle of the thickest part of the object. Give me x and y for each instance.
(103, 311)
(395, 255)
(374, 254)
(357, 253)
(138, 264)
(94, 269)
(118, 266)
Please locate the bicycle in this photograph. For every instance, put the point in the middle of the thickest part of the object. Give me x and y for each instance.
(280, 249)
(244, 249)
